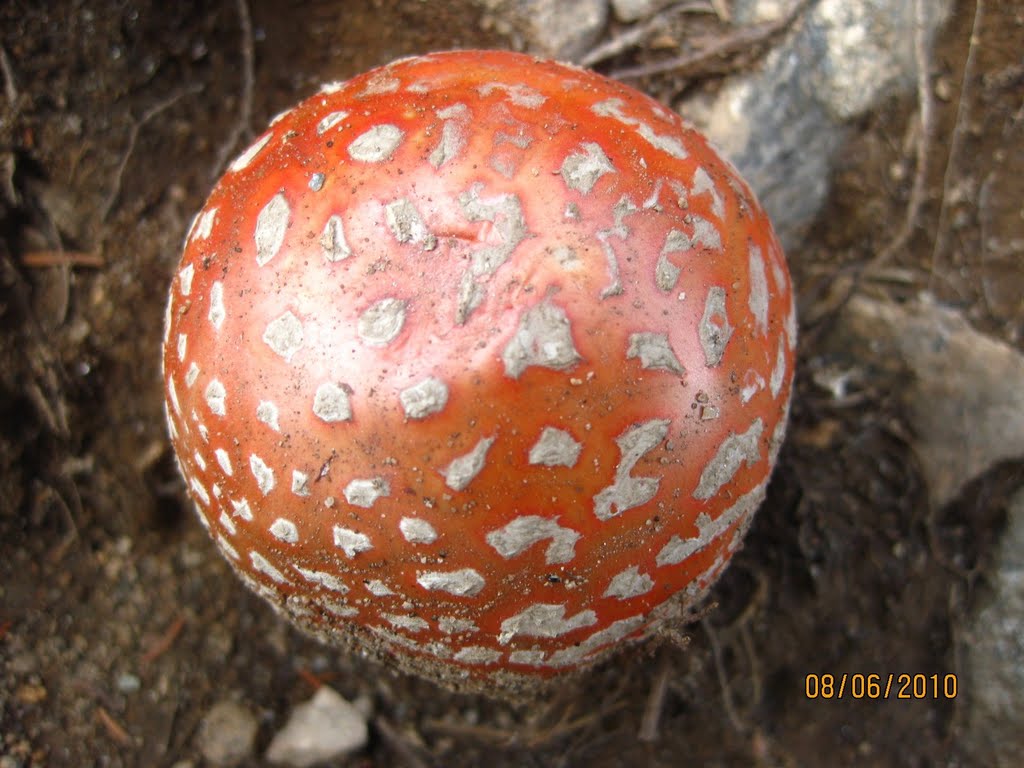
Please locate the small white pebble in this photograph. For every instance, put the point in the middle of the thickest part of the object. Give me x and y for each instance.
(322, 730)
(227, 734)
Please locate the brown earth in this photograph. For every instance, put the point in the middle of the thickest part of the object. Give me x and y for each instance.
(120, 625)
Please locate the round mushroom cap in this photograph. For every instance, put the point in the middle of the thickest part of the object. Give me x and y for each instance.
(479, 363)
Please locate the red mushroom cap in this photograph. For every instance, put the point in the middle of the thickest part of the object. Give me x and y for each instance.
(481, 363)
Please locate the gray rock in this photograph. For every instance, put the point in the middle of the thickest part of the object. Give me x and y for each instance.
(782, 142)
(633, 10)
(994, 658)
(558, 29)
(868, 51)
(965, 397)
(324, 728)
(227, 734)
(759, 11)
(782, 126)
(128, 683)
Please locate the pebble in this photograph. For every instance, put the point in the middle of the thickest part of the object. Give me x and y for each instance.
(324, 728)
(965, 397)
(128, 683)
(559, 29)
(993, 652)
(634, 10)
(227, 734)
(785, 123)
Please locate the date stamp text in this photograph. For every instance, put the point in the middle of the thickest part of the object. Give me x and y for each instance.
(881, 686)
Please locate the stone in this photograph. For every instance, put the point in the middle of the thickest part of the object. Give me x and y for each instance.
(994, 655)
(558, 29)
(227, 734)
(784, 124)
(963, 394)
(634, 10)
(964, 398)
(322, 729)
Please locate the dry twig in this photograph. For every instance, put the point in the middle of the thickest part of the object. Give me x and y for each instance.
(241, 126)
(398, 743)
(651, 720)
(727, 45)
(46, 369)
(532, 735)
(926, 135)
(48, 497)
(165, 641)
(723, 681)
(8, 164)
(756, 678)
(114, 729)
(722, 10)
(60, 258)
(636, 34)
(955, 613)
(311, 679)
(956, 139)
(10, 88)
(133, 137)
(754, 604)
(53, 413)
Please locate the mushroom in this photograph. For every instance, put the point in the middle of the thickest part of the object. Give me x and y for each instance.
(480, 364)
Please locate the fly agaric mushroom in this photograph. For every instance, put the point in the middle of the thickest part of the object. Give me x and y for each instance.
(479, 363)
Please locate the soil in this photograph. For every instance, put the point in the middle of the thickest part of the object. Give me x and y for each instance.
(121, 626)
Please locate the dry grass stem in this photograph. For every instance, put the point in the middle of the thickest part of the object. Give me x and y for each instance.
(727, 45)
(165, 641)
(10, 87)
(133, 137)
(956, 140)
(58, 258)
(241, 126)
(635, 35)
(925, 139)
(651, 721)
(723, 680)
(114, 729)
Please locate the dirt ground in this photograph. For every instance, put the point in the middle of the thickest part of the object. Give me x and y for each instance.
(120, 625)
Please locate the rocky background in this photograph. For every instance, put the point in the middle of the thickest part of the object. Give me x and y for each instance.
(885, 137)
